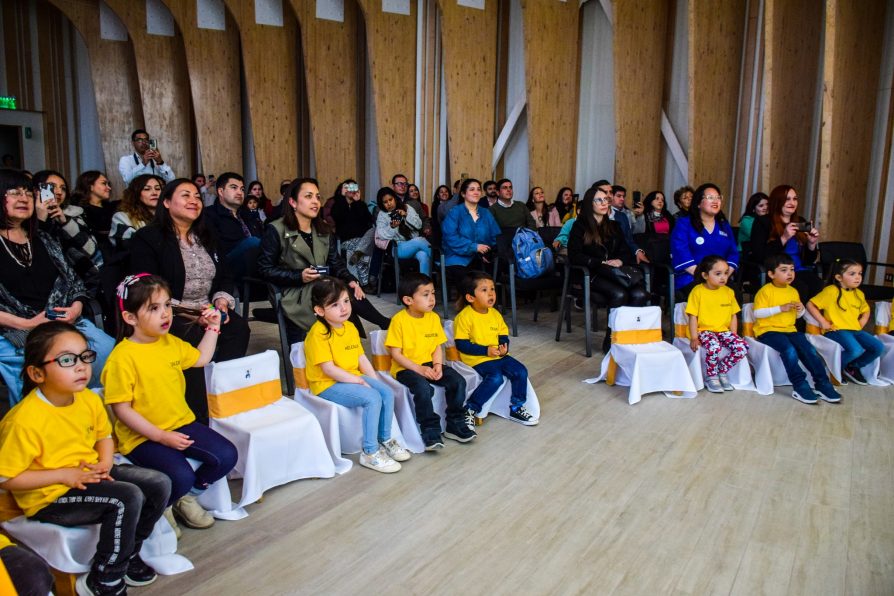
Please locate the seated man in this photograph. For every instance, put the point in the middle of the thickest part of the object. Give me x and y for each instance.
(227, 217)
(145, 159)
(509, 213)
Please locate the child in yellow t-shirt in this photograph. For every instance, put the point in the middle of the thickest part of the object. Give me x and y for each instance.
(842, 312)
(56, 459)
(776, 307)
(414, 340)
(338, 371)
(146, 388)
(712, 310)
(482, 340)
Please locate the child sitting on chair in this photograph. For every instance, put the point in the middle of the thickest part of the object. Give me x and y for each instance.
(414, 340)
(776, 307)
(482, 339)
(56, 459)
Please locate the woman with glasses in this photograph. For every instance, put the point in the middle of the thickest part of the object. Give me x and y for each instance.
(37, 283)
(782, 230)
(705, 232)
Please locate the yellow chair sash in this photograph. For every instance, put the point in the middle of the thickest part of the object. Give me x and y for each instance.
(681, 330)
(300, 375)
(748, 329)
(636, 336)
(612, 371)
(813, 329)
(381, 362)
(881, 329)
(230, 403)
(452, 354)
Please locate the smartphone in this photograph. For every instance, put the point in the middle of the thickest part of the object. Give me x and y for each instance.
(47, 193)
(352, 187)
(322, 269)
(52, 314)
(805, 226)
(637, 198)
(575, 197)
(153, 144)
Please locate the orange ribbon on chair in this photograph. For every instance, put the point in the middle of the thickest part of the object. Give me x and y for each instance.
(813, 329)
(9, 509)
(881, 329)
(612, 371)
(237, 401)
(748, 329)
(381, 362)
(300, 375)
(681, 330)
(452, 354)
(636, 336)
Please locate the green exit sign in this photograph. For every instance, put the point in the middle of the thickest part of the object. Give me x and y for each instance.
(7, 102)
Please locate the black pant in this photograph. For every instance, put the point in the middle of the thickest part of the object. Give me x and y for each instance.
(30, 575)
(808, 284)
(126, 510)
(454, 386)
(606, 287)
(232, 344)
(456, 273)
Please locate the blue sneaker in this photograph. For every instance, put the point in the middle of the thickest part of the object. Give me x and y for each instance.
(827, 393)
(803, 393)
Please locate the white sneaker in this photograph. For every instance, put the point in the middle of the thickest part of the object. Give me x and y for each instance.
(379, 461)
(395, 450)
(169, 515)
(192, 514)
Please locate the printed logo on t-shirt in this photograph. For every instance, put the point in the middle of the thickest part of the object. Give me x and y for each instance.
(431, 335)
(175, 364)
(352, 347)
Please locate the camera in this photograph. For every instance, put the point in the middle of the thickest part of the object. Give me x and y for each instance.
(322, 269)
(805, 226)
(396, 216)
(153, 144)
(46, 192)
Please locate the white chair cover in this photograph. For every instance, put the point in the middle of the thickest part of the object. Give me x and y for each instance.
(828, 350)
(500, 401)
(882, 329)
(767, 364)
(644, 367)
(342, 427)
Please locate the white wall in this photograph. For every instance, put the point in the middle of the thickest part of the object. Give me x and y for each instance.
(516, 160)
(676, 105)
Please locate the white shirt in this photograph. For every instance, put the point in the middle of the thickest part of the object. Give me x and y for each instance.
(130, 166)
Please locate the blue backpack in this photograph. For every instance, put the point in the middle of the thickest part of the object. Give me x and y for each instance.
(532, 257)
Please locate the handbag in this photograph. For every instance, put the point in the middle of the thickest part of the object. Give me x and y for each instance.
(627, 275)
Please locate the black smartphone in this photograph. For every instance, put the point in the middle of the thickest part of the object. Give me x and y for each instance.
(322, 269)
(805, 226)
(637, 198)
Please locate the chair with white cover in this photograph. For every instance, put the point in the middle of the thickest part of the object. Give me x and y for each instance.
(404, 407)
(499, 403)
(739, 375)
(766, 362)
(342, 427)
(828, 350)
(639, 359)
(278, 440)
(882, 332)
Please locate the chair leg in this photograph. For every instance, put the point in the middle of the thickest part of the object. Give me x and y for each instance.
(246, 299)
(562, 308)
(286, 349)
(444, 293)
(512, 300)
(588, 315)
(396, 277)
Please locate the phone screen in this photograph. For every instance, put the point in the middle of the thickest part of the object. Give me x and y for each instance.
(153, 144)
(46, 192)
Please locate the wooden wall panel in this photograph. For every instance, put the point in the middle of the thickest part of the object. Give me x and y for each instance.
(793, 31)
(115, 84)
(212, 59)
(391, 43)
(331, 68)
(470, 68)
(269, 59)
(715, 59)
(851, 78)
(640, 38)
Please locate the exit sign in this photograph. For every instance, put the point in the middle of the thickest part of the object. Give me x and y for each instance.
(7, 102)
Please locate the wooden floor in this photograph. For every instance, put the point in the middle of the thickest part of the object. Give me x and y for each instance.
(729, 494)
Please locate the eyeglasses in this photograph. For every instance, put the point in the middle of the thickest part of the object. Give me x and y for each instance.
(600, 200)
(15, 193)
(141, 140)
(400, 184)
(68, 360)
(718, 198)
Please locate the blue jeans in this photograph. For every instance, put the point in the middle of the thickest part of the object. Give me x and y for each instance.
(377, 402)
(492, 373)
(419, 249)
(859, 348)
(12, 359)
(235, 259)
(217, 454)
(793, 347)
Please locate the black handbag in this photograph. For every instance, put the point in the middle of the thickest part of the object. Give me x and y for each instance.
(627, 275)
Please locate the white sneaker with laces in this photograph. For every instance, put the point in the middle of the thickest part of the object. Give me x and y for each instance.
(395, 450)
(379, 461)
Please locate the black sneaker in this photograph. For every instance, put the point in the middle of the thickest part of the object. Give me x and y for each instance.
(138, 573)
(89, 585)
(853, 374)
(522, 416)
(460, 432)
(433, 443)
(469, 419)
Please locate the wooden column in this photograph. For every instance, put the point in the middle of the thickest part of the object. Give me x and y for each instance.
(59, 133)
(851, 78)
(164, 87)
(715, 60)
(269, 58)
(640, 40)
(391, 43)
(115, 84)
(331, 67)
(212, 59)
(470, 68)
(793, 31)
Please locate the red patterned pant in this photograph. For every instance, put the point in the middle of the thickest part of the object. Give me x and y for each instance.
(713, 343)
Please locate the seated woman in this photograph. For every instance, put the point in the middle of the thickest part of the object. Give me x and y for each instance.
(402, 225)
(683, 200)
(705, 232)
(467, 233)
(565, 206)
(659, 225)
(295, 248)
(597, 243)
(178, 247)
(441, 195)
(354, 228)
(757, 206)
(137, 209)
(63, 220)
(93, 193)
(37, 283)
(543, 214)
(265, 205)
(414, 200)
(783, 230)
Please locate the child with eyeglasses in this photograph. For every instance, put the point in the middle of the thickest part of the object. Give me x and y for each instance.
(56, 459)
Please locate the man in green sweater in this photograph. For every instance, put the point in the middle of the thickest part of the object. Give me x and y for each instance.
(509, 213)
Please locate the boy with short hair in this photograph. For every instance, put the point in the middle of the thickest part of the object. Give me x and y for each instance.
(776, 307)
(414, 340)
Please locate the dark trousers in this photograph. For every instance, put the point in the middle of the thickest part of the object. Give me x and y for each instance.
(422, 389)
(232, 344)
(605, 287)
(794, 347)
(492, 373)
(30, 575)
(217, 454)
(126, 510)
(456, 273)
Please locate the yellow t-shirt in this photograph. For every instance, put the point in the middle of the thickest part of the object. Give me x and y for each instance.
(769, 296)
(150, 376)
(341, 346)
(714, 308)
(482, 329)
(36, 435)
(853, 302)
(4, 541)
(417, 338)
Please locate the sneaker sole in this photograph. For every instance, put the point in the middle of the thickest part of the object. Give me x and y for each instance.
(853, 380)
(435, 446)
(718, 390)
(136, 584)
(804, 401)
(389, 470)
(826, 398)
(458, 438)
(532, 422)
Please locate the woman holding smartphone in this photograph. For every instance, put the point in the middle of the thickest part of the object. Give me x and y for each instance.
(63, 220)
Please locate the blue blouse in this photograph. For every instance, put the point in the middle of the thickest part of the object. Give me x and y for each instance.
(462, 234)
(689, 247)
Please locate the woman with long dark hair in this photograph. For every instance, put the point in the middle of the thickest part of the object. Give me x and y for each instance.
(93, 193)
(138, 206)
(758, 204)
(354, 228)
